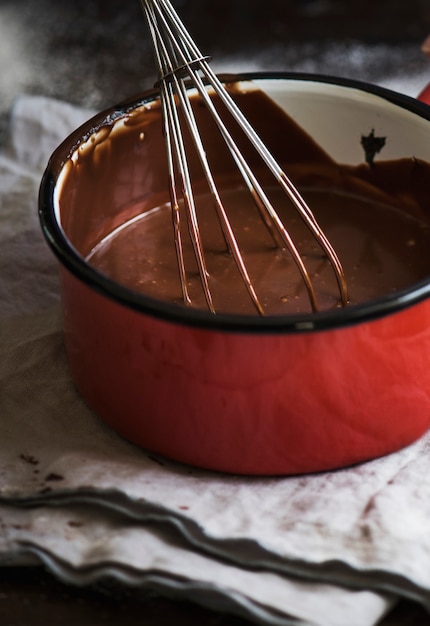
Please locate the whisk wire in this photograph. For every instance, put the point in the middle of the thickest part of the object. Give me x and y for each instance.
(227, 230)
(176, 155)
(178, 57)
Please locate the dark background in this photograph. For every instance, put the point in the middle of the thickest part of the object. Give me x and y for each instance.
(96, 52)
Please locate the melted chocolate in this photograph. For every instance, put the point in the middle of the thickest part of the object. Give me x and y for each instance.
(114, 209)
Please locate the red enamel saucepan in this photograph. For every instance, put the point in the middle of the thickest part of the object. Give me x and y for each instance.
(243, 394)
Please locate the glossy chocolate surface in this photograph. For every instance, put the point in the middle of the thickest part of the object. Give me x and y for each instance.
(114, 193)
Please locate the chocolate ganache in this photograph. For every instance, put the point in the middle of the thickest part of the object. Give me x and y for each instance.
(114, 206)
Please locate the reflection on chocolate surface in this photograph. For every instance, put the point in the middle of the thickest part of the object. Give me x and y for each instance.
(114, 209)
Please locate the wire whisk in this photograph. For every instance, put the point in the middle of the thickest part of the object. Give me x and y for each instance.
(179, 64)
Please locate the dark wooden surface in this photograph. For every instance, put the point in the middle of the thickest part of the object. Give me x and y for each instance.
(31, 597)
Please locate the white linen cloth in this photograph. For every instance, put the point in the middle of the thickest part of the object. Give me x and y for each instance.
(329, 549)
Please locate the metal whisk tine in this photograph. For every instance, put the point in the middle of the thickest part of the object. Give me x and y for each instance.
(178, 58)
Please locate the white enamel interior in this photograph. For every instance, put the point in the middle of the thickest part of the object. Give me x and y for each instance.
(337, 117)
